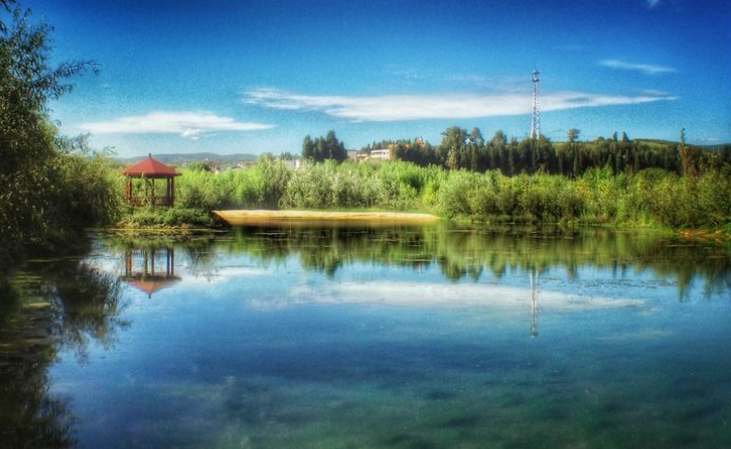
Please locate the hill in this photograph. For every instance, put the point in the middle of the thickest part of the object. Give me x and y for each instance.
(222, 160)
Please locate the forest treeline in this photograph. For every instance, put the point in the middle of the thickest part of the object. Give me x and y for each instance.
(460, 149)
(323, 148)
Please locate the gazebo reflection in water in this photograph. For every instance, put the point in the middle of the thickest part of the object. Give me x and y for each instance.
(150, 269)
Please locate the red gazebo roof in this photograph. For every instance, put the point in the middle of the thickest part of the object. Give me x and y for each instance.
(151, 168)
(151, 284)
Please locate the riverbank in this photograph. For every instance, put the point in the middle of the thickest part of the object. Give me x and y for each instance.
(650, 198)
(274, 217)
(167, 221)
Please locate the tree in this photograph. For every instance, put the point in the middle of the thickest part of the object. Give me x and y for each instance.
(571, 138)
(573, 135)
(497, 155)
(308, 148)
(204, 166)
(543, 155)
(335, 148)
(32, 199)
(322, 149)
(453, 142)
(499, 138)
(512, 156)
(689, 157)
(5, 5)
(476, 137)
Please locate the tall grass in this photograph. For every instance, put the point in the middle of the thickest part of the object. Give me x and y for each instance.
(651, 197)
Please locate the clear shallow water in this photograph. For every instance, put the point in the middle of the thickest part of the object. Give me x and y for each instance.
(383, 337)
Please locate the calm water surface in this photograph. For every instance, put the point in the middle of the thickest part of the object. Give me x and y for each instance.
(436, 337)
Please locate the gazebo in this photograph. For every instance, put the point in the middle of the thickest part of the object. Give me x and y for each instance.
(149, 170)
(140, 269)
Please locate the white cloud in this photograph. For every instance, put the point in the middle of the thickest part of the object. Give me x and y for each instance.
(409, 294)
(647, 69)
(224, 274)
(187, 124)
(416, 107)
(652, 3)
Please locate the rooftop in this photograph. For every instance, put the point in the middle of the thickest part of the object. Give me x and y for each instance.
(151, 168)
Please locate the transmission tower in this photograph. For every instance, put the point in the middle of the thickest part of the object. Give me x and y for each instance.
(535, 124)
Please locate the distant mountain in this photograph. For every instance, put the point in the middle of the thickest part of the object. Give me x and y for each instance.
(717, 147)
(223, 160)
(712, 147)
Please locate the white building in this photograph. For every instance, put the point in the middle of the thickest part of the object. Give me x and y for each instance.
(383, 154)
(294, 164)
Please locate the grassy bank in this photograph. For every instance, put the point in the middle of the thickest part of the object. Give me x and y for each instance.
(650, 198)
(173, 218)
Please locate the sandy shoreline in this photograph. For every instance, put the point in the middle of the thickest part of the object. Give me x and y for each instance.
(262, 217)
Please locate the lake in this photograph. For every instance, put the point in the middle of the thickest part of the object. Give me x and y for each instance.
(442, 336)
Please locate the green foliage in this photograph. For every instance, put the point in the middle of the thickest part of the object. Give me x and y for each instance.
(460, 150)
(652, 197)
(322, 149)
(52, 185)
(346, 186)
(87, 186)
(155, 217)
(199, 189)
(200, 166)
(457, 194)
(48, 183)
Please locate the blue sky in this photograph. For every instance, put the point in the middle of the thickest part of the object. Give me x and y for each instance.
(256, 76)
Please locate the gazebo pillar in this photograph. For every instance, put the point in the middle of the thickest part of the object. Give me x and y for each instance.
(168, 193)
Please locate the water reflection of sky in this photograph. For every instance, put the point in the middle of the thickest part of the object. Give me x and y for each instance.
(248, 353)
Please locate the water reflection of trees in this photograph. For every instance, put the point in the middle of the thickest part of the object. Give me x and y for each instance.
(468, 253)
(459, 252)
(49, 307)
(197, 251)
